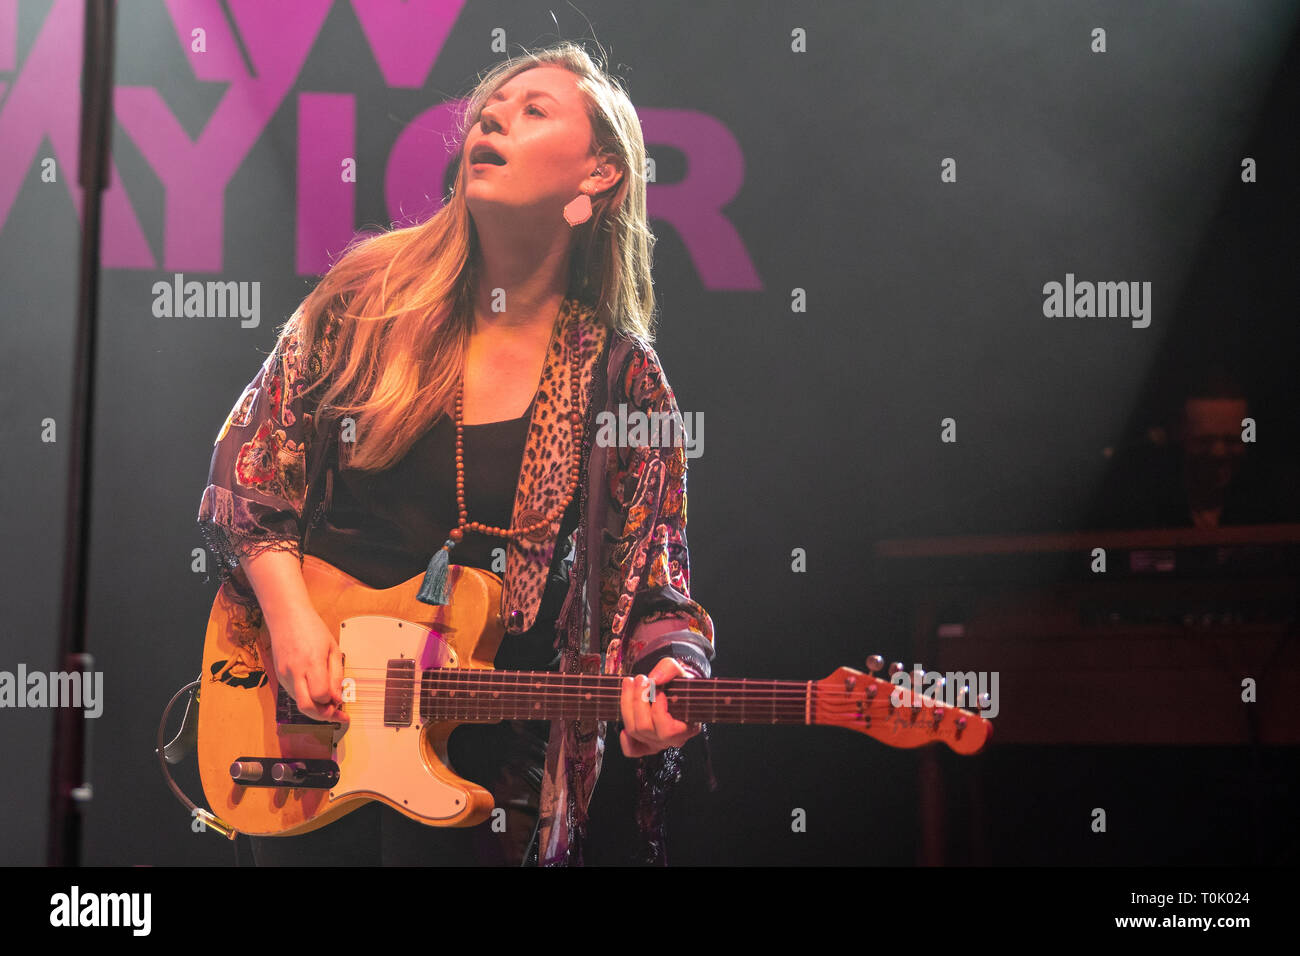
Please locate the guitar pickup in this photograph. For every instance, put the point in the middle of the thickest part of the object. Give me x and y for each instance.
(399, 692)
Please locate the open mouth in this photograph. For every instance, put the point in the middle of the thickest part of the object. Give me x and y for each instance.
(486, 154)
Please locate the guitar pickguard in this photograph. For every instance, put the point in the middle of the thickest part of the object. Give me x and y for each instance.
(385, 750)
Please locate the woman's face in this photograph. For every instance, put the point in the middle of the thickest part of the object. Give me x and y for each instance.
(538, 124)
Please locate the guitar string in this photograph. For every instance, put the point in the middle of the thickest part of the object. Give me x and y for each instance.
(829, 703)
(554, 677)
(555, 687)
(608, 694)
(556, 690)
(450, 707)
(534, 689)
(523, 690)
(792, 717)
(792, 694)
(521, 704)
(928, 725)
(551, 679)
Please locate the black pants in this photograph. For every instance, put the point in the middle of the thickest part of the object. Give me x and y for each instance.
(506, 758)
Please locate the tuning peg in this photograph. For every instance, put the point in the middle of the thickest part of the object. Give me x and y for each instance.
(896, 667)
(985, 701)
(875, 662)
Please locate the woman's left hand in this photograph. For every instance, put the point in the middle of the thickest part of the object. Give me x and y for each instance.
(648, 727)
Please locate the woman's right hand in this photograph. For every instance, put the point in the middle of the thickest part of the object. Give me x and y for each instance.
(308, 663)
(305, 655)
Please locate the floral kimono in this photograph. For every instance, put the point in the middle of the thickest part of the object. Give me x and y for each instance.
(628, 603)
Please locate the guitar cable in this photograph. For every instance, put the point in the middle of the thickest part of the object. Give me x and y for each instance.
(531, 849)
(180, 747)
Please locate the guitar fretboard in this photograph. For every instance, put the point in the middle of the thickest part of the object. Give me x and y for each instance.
(527, 695)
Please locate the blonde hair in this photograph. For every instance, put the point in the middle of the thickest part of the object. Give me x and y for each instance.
(402, 298)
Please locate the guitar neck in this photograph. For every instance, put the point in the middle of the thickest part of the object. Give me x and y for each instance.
(848, 699)
(527, 695)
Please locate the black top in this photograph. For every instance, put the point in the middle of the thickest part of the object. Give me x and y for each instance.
(383, 527)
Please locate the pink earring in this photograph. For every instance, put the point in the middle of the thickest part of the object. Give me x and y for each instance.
(578, 209)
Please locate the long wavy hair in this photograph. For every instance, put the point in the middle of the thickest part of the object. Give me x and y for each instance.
(403, 298)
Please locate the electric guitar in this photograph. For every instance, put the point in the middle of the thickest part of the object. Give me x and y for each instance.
(413, 672)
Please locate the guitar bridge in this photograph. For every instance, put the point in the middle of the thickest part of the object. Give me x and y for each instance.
(288, 716)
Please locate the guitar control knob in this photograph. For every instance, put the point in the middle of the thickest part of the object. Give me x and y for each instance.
(288, 773)
(875, 662)
(246, 771)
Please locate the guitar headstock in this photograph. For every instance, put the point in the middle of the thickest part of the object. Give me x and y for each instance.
(897, 715)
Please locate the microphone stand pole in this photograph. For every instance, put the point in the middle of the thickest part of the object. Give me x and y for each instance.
(70, 786)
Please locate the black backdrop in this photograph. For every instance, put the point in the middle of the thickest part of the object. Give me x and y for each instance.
(924, 301)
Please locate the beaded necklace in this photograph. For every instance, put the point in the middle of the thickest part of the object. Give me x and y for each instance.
(433, 590)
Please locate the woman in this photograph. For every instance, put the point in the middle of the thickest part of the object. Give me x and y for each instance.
(388, 419)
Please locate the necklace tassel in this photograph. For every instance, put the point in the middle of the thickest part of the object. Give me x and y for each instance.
(433, 590)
